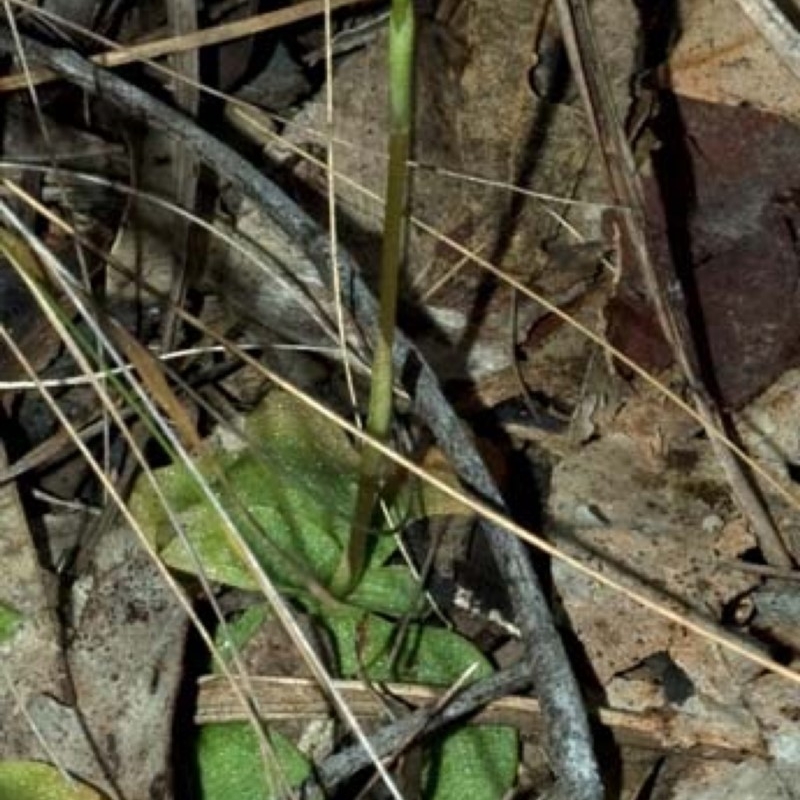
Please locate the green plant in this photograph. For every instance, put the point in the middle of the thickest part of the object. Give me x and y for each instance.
(295, 487)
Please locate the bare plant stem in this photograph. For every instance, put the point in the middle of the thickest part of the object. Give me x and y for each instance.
(379, 418)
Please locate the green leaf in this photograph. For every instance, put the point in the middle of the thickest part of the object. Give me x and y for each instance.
(240, 631)
(299, 441)
(429, 655)
(10, 620)
(33, 780)
(291, 496)
(479, 763)
(387, 590)
(230, 764)
(229, 758)
(383, 548)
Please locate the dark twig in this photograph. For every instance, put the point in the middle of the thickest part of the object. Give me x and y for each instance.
(565, 718)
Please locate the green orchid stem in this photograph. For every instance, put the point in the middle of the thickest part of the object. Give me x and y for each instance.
(379, 419)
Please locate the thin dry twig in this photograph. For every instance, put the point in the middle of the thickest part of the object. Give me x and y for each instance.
(182, 17)
(333, 230)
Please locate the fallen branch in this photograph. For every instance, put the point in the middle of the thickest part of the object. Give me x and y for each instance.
(566, 724)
